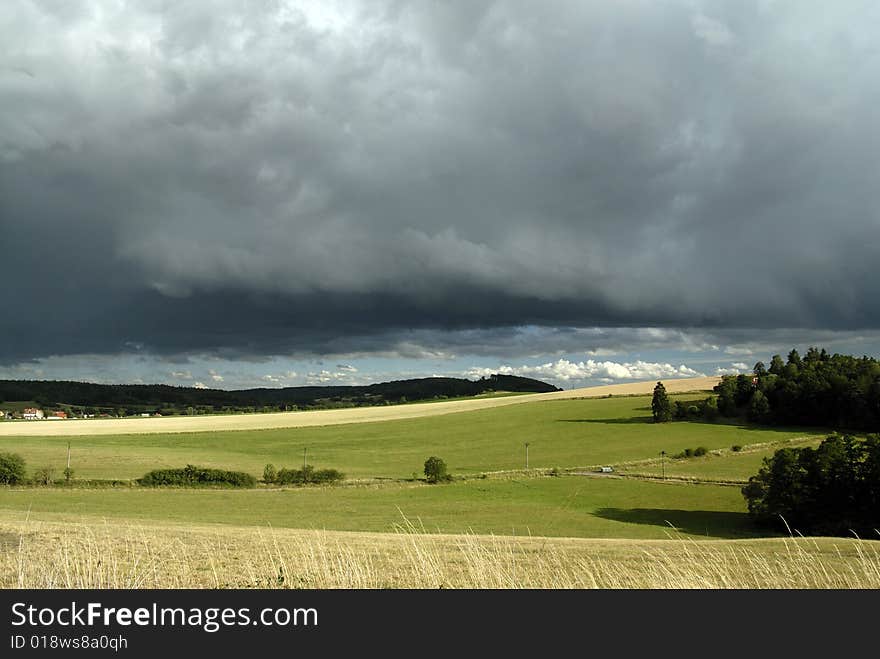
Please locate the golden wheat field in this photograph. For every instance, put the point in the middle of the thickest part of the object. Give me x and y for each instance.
(91, 553)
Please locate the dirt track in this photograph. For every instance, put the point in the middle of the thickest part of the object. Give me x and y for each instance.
(323, 417)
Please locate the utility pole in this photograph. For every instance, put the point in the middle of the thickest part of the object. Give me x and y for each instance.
(67, 471)
(663, 463)
(304, 457)
(527, 455)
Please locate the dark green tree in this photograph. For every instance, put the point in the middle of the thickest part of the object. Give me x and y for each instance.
(759, 407)
(435, 470)
(661, 408)
(776, 365)
(11, 469)
(726, 390)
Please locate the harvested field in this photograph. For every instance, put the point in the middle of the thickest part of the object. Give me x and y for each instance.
(325, 417)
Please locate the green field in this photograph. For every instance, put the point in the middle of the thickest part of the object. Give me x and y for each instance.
(567, 434)
(724, 465)
(564, 433)
(569, 506)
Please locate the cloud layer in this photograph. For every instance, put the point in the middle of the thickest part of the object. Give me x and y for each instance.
(565, 371)
(281, 178)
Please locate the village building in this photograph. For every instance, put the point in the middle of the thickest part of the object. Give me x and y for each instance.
(32, 413)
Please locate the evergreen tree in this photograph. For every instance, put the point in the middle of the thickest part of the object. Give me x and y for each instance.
(776, 365)
(660, 405)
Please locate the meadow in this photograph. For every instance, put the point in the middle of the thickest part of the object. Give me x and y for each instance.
(624, 524)
(561, 433)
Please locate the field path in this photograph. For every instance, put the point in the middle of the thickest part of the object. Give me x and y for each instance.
(212, 422)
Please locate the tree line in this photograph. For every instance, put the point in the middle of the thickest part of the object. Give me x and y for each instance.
(130, 399)
(837, 391)
(830, 490)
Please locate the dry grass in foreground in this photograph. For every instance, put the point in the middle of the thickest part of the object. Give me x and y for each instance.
(35, 554)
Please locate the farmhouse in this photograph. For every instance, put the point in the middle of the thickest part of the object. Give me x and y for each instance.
(32, 413)
(58, 414)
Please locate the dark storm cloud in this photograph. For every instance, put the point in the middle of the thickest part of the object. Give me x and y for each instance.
(303, 178)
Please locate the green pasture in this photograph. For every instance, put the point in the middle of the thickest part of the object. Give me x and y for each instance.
(566, 506)
(728, 466)
(564, 433)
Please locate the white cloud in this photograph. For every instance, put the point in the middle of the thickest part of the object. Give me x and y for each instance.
(200, 385)
(735, 369)
(563, 370)
(215, 376)
(182, 375)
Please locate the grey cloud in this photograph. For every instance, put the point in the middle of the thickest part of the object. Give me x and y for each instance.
(276, 179)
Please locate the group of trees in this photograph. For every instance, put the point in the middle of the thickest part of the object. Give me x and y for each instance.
(833, 489)
(838, 391)
(835, 391)
(663, 410)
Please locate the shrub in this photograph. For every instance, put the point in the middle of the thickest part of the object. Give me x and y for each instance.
(736, 448)
(308, 475)
(709, 408)
(692, 452)
(44, 476)
(11, 468)
(435, 470)
(196, 476)
(679, 410)
(270, 475)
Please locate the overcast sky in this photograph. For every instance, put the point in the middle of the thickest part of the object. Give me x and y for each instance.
(234, 193)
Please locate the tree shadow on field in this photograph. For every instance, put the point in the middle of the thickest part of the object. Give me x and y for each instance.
(624, 420)
(711, 523)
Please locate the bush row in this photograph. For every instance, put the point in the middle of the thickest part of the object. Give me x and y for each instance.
(192, 475)
(307, 475)
(692, 452)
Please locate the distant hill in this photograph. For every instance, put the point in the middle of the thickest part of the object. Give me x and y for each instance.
(126, 399)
